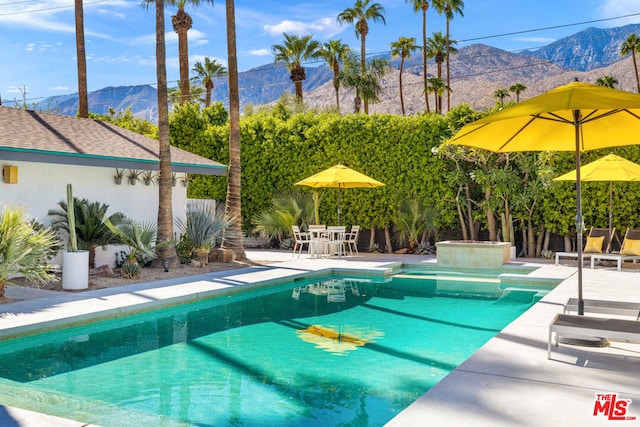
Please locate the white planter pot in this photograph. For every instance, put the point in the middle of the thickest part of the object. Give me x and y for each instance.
(75, 270)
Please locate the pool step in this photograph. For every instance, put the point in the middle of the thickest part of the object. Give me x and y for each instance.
(513, 295)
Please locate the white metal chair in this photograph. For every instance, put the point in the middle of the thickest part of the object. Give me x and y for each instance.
(300, 240)
(351, 239)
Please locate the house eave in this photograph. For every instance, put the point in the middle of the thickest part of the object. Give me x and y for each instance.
(60, 158)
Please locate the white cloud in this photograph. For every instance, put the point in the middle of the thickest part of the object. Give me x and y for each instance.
(324, 27)
(615, 8)
(200, 58)
(59, 88)
(543, 40)
(260, 52)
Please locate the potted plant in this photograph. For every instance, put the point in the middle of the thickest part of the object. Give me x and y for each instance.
(75, 263)
(185, 179)
(174, 179)
(133, 176)
(118, 176)
(147, 177)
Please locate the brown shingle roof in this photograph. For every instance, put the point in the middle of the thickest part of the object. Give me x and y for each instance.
(44, 137)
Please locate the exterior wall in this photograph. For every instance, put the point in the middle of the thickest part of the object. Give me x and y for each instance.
(41, 186)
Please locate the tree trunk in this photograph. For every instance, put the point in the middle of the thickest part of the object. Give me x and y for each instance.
(547, 240)
(400, 82)
(165, 199)
(539, 240)
(83, 101)
(524, 252)
(387, 239)
(425, 75)
(232, 235)
(372, 237)
(463, 225)
(567, 243)
(532, 240)
(472, 226)
(183, 57)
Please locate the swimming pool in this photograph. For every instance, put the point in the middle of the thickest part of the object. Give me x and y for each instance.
(350, 350)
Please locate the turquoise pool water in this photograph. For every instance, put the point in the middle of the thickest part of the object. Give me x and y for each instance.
(331, 351)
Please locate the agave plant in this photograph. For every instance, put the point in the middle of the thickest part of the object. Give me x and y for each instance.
(288, 208)
(90, 227)
(414, 220)
(203, 225)
(24, 249)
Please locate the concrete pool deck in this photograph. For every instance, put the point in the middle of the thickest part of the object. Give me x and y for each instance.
(507, 382)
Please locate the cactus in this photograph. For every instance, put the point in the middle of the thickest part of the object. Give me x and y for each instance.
(71, 219)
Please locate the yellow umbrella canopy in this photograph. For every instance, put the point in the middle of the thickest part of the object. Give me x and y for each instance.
(340, 176)
(574, 117)
(608, 168)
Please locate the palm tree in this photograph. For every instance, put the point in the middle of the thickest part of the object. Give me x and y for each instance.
(607, 81)
(182, 23)
(83, 101)
(167, 252)
(500, 95)
(91, 230)
(333, 52)
(437, 86)
(367, 84)
(403, 48)
(517, 88)
(24, 247)
(232, 235)
(436, 49)
(292, 53)
(360, 13)
(449, 8)
(632, 46)
(423, 6)
(175, 95)
(206, 72)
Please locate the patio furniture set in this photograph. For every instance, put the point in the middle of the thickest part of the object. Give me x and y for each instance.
(322, 240)
(598, 247)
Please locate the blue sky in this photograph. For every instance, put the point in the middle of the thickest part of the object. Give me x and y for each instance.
(37, 37)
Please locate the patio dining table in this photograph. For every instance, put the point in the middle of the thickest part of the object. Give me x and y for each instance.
(326, 241)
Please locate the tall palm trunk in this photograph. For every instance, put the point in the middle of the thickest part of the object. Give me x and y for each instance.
(165, 202)
(425, 75)
(363, 29)
(448, 73)
(232, 237)
(400, 82)
(335, 65)
(635, 67)
(207, 98)
(83, 102)
(182, 23)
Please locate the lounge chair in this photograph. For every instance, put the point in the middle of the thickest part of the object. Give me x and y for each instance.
(611, 329)
(598, 241)
(619, 308)
(629, 251)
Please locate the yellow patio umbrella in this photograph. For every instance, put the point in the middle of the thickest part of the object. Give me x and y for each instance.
(608, 168)
(339, 176)
(574, 117)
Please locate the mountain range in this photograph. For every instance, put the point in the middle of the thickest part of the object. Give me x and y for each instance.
(477, 71)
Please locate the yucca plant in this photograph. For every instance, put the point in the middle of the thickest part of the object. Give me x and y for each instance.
(288, 208)
(203, 225)
(24, 249)
(414, 220)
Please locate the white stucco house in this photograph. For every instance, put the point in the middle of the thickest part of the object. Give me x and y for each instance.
(40, 153)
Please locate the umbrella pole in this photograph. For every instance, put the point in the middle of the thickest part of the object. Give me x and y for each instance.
(338, 205)
(316, 206)
(610, 208)
(579, 220)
